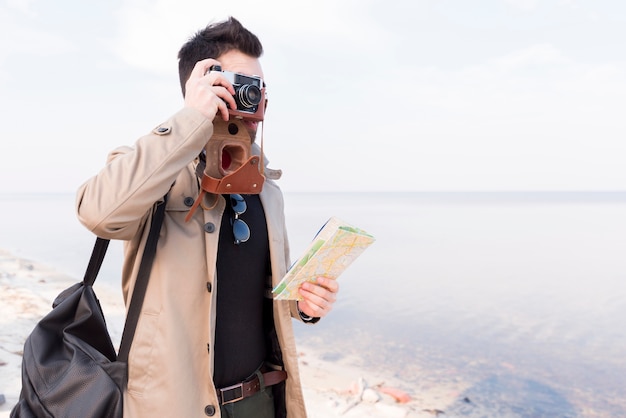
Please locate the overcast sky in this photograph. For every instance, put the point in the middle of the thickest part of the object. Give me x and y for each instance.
(417, 95)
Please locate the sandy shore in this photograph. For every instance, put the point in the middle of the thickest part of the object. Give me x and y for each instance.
(332, 389)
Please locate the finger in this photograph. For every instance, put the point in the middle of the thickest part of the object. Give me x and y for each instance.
(223, 110)
(202, 66)
(224, 100)
(226, 94)
(312, 308)
(317, 296)
(215, 78)
(330, 284)
(223, 89)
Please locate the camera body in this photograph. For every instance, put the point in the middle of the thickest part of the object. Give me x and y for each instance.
(249, 94)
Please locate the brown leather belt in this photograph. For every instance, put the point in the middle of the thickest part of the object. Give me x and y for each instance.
(249, 387)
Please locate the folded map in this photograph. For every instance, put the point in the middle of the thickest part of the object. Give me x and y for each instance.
(333, 249)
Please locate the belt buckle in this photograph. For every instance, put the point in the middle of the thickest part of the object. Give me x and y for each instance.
(229, 389)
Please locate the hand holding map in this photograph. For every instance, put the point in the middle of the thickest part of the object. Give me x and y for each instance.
(332, 250)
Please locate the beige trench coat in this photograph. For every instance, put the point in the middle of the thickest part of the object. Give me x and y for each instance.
(171, 358)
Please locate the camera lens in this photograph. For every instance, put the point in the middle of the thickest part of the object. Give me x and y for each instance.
(249, 95)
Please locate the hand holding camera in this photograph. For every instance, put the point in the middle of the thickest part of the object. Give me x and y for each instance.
(211, 90)
(208, 92)
(249, 94)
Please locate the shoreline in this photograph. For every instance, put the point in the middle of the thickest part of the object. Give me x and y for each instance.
(331, 388)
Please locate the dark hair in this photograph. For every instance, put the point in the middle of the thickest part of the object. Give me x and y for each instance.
(214, 40)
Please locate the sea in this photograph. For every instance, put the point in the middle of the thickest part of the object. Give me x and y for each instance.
(518, 299)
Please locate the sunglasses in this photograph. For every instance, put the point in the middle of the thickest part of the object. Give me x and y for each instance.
(241, 231)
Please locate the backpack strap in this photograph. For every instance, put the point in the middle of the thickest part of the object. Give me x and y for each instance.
(134, 309)
(141, 284)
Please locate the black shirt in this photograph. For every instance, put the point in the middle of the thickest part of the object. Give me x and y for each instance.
(242, 271)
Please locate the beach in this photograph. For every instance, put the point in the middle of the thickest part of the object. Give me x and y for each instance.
(331, 388)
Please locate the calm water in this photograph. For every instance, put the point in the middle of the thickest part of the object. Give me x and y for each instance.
(518, 298)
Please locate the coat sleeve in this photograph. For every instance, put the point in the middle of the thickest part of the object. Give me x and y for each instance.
(114, 203)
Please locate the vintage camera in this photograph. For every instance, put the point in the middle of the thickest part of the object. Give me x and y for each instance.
(249, 94)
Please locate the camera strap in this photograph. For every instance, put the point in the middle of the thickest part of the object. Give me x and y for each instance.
(262, 164)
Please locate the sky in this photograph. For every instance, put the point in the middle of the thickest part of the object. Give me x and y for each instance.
(364, 95)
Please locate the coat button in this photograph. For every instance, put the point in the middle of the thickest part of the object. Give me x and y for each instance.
(188, 201)
(209, 287)
(209, 227)
(162, 130)
(209, 410)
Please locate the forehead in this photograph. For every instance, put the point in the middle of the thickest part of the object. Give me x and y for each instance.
(238, 62)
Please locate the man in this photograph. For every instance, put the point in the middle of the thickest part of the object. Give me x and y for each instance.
(207, 329)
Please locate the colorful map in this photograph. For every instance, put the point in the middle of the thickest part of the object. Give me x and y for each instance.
(332, 250)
